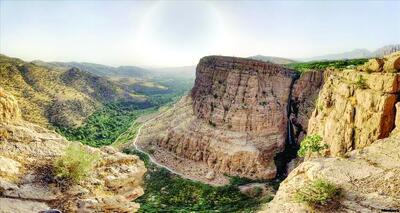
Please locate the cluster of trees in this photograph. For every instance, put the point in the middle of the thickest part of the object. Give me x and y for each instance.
(104, 126)
(322, 65)
(171, 193)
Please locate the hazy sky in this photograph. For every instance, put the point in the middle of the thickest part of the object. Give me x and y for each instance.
(168, 33)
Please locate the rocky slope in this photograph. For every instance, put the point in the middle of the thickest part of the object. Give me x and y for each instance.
(27, 152)
(369, 179)
(234, 121)
(358, 115)
(54, 96)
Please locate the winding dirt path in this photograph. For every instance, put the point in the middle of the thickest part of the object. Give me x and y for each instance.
(144, 152)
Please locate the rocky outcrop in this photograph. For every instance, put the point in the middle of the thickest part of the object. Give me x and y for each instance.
(234, 121)
(357, 107)
(357, 116)
(369, 179)
(27, 153)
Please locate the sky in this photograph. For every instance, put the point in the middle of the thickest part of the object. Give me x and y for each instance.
(179, 33)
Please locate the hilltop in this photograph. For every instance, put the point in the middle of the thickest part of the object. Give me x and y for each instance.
(55, 96)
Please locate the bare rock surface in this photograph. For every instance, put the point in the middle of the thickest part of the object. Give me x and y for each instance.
(369, 179)
(356, 107)
(234, 120)
(27, 153)
(9, 205)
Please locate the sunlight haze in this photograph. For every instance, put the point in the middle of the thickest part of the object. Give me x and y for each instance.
(177, 33)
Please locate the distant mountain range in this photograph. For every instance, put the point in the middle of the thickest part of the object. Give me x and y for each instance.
(353, 54)
(356, 53)
(272, 59)
(99, 69)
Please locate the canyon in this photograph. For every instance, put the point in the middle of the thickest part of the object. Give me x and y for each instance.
(235, 120)
(243, 118)
(241, 115)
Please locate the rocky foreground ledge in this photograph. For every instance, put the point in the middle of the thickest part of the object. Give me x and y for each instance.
(357, 115)
(27, 152)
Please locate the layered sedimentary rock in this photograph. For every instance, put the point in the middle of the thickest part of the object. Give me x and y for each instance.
(27, 153)
(357, 107)
(234, 121)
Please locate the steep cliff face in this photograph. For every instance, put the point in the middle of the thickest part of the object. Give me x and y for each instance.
(357, 115)
(27, 153)
(243, 96)
(357, 107)
(233, 122)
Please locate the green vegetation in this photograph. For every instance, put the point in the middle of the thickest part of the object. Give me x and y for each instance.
(319, 193)
(311, 144)
(75, 165)
(104, 126)
(322, 65)
(360, 82)
(171, 193)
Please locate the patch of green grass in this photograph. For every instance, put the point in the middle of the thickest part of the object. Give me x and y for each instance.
(322, 65)
(75, 165)
(311, 144)
(166, 192)
(318, 193)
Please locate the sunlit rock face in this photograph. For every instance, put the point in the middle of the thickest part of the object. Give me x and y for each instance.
(357, 107)
(234, 120)
(357, 115)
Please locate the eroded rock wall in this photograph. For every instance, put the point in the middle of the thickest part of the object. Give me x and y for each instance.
(234, 121)
(356, 107)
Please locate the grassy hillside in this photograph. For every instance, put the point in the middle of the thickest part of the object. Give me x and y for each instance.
(55, 96)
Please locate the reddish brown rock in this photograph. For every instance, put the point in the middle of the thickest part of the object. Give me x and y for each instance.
(235, 120)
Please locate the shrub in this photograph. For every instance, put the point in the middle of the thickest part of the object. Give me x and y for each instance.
(318, 193)
(311, 144)
(75, 165)
(360, 82)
